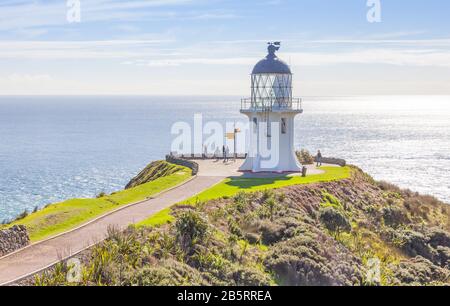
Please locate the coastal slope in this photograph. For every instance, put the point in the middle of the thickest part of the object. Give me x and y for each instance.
(353, 231)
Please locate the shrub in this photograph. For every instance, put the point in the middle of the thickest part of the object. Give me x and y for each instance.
(190, 229)
(304, 157)
(433, 244)
(330, 200)
(241, 202)
(234, 227)
(269, 208)
(439, 237)
(283, 228)
(252, 238)
(311, 259)
(394, 216)
(386, 186)
(281, 197)
(168, 273)
(271, 232)
(267, 194)
(334, 220)
(419, 271)
(247, 276)
(55, 277)
(101, 195)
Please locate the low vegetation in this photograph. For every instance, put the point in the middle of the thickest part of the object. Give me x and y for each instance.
(304, 157)
(60, 217)
(326, 233)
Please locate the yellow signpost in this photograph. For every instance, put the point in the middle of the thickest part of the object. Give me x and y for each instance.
(233, 136)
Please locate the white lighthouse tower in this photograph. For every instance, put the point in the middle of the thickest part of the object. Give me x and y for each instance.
(271, 111)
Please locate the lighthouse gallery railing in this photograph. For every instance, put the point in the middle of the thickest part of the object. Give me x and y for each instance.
(269, 104)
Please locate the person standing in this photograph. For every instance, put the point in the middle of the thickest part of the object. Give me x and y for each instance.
(227, 153)
(217, 154)
(205, 152)
(224, 154)
(319, 159)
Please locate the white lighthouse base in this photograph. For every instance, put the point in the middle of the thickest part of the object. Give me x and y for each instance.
(252, 164)
(286, 158)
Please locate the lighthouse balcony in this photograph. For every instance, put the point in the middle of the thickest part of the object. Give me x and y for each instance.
(251, 105)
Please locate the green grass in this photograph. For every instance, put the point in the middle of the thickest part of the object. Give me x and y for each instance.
(61, 217)
(158, 219)
(232, 186)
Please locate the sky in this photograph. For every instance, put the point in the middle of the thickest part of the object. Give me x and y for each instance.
(208, 47)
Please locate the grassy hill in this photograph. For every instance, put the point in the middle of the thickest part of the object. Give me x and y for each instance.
(323, 233)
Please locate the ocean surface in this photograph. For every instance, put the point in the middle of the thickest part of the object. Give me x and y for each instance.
(56, 148)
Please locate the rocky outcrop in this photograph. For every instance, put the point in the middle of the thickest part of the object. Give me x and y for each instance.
(13, 239)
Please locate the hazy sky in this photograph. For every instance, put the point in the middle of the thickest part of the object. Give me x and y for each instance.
(204, 47)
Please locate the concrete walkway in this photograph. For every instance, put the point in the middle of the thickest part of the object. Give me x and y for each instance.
(211, 167)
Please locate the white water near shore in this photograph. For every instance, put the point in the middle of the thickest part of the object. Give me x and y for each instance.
(55, 148)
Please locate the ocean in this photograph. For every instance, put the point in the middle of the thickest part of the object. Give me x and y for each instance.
(56, 148)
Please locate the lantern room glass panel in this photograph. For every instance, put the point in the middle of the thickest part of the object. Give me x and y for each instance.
(271, 91)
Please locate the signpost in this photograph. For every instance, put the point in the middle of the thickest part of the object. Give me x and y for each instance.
(233, 136)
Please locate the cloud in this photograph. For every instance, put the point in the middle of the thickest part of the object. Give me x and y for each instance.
(445, 42)
(367, 57)
(16, 15)
(56, 50)
(19, 78)
(194, 61)
(398, 34)
(396, 57)
(16, 83)
(161, 53)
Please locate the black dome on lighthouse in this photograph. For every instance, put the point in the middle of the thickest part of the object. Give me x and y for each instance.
(272, 64)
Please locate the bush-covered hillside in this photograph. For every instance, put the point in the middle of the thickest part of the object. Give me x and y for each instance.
(320, 234)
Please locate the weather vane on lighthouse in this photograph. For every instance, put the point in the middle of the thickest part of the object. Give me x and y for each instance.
(271, 111)
(273, 47)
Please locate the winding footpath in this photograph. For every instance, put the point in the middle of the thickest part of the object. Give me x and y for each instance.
(41, 255)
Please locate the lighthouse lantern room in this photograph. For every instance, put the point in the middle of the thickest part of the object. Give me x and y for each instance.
(271, 111)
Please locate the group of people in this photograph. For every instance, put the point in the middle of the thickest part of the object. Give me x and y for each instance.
(225, 153)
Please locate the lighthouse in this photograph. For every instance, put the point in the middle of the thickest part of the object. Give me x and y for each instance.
(271, 111)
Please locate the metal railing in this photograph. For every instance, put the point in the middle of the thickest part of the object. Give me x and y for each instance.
(270, 104)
